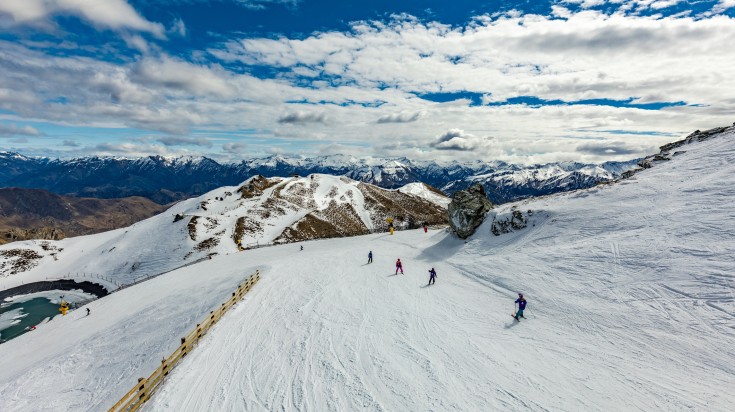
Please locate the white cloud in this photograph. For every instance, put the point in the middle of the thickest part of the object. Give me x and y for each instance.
(301, 117)
(234, 148)
(183, 77)
(184, 141)
(9, 130)
(107, 14)
(375, 71)
(399, 117)
(457, 139)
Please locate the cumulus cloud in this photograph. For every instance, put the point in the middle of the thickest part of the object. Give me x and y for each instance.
(108, 14)
(10, 130)
(399, 118)
(457, 139)
(234, 148)
(182, 76)
(301, 117)
(185, 141)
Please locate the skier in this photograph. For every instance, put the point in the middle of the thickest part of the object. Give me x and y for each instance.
(302, 247)
(432, 276)
(521, 301)
(426, 228)
(88, 311)
(370, 257)
(399, 266)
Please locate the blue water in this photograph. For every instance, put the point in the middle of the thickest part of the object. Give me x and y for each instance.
(36, 310)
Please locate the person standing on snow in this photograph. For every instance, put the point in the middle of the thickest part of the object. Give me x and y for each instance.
(88, 311)
(370, 257)
(521, 301)
(432, 276)
(399, 266)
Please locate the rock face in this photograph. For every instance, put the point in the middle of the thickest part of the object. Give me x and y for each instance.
(508, 223)
(467, 210)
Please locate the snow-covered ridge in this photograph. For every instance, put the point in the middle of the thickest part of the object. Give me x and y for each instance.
(260, 211)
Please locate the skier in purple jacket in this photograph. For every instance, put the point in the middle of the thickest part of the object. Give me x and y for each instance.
(521, 301)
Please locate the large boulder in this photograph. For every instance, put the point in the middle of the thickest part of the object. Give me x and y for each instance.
(467, 210)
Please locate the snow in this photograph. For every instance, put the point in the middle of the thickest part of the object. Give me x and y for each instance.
(631, 307)
(420, 190)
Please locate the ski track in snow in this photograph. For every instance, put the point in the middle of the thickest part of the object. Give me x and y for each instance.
(631, 307)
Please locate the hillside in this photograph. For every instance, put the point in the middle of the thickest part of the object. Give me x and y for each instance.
(260, 211)
(630, 308)
(38, 214)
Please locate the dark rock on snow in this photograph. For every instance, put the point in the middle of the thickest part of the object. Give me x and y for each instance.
(467, 210)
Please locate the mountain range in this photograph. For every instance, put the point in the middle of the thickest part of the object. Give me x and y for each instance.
(165, 180)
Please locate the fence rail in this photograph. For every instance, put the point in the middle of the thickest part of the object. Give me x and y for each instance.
(145, 388)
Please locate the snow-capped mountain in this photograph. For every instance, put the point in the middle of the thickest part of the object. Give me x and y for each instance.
(164, 180)
(629, 288)
(259, 211)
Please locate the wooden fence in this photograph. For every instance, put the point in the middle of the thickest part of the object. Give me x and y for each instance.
(145, 388)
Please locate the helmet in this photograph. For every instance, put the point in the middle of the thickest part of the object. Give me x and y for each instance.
(520, 295)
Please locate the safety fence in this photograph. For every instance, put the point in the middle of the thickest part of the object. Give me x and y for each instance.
(145, 388)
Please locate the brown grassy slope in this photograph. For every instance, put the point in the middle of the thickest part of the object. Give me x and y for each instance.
(337, 220)
(403, 208)
(39, 214)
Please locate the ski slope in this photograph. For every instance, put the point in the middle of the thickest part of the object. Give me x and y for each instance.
(631, 307)
(630, 290)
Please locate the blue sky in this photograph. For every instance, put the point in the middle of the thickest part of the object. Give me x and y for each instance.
(523, 82)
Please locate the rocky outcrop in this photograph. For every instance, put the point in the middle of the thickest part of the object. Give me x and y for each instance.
(665, 153)
(47, 233)
(467, 210)
(515, 220)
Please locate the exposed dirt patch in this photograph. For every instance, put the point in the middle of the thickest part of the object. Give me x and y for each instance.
(192, 226)
(244, 226)
(210, 223)
(272, 207)
(256, 186)
(337, 220)
(239, 230)
(407, 211)
(18, 260)
(207, 244)
(298, 194)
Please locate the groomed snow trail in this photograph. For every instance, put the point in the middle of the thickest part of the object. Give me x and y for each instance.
(630, 290)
